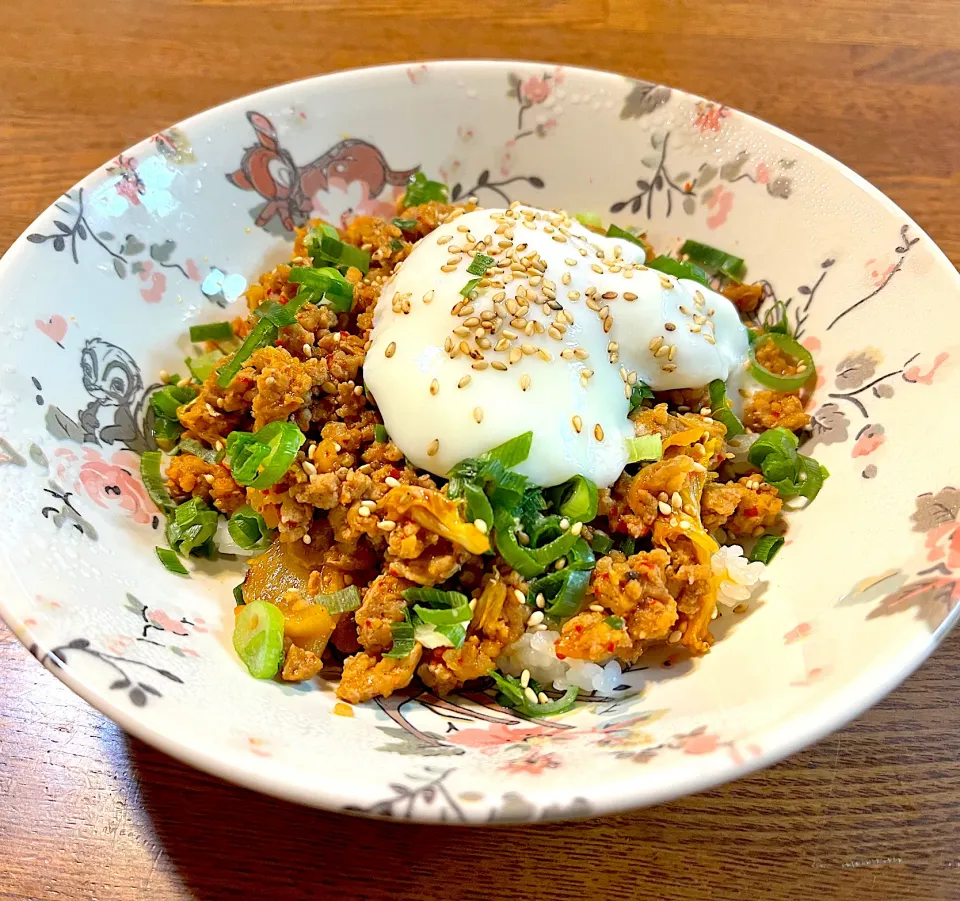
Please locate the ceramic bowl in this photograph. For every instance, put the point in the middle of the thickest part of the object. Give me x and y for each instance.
(99, 291)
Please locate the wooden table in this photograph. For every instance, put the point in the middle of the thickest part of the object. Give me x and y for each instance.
(872, 812)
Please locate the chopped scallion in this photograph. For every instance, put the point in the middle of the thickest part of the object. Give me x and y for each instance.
(201, 367)
(720, 409)
(590, 220)
(404, 224)
(615, 622)
(790, 347)
(258, 638)
(263, 334)
(238, 595)
(329, 249)
(192, 527)
(766, 548)
(614, 231)
(195, 448)
(342, 601)
(601, 542)
(171, 561)
(154, 482)
(260, 459)
(712, 258)
(421, 190)
(469, 287)
(638, 394)
(480, 264)
(646, 448)
(403, 639)
(678, 269)
(248, 528)
(211, 331)
(435, 597)
(380, 434)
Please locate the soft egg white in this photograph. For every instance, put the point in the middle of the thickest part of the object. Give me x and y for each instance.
(552, 339)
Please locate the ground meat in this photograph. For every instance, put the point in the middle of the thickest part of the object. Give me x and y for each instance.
(587, 636)
(635, 588)
(283, 384)
(190, 476)
(746, 298)
(365, 677)
(436, 565)
(628, 511)
(383, 604)
(446, 669)
(769, 409)
(300, 665)
(691, 583)
(718, 502)
(757, 510)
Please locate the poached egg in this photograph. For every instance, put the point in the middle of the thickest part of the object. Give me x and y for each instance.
(552, 338)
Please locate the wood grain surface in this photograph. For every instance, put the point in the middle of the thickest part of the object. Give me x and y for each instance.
(88, 814)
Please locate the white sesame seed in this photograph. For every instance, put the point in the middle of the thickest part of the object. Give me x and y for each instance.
(535, 618)
(391, 482)
(388, 525)
(528, 692)
(480, 526)
(433, 447)
(564, 524)
(363, 511)
(306, 539)
(675, 636)
(665, 508)
(541, 601)
(391, 349)
(525, 678)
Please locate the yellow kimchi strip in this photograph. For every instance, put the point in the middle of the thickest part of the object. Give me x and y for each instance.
(430, 509)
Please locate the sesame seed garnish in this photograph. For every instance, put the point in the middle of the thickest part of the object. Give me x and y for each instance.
(499, 366)
(480, 366)
(710, 339)
(672, 353)
(309, 468)
(443, 239)
(434, 386)
(629, 295)
(464, 381)
(391, 349)
(609, 295)
(675, 636)
(524, 382)
(391, 482)
(695, 329)
(545, 355)
(655, 344)
(670, 327)
(363, 511)
(596, 268)
(668, 367)
(388, 525)
(433, 447)
(577, 424)
(598, 432)
(528, 692)
(528, 349)
(448, 268)
(662, 351)
(535, 618)
(573, 295)
(664, 508)
(570, 261)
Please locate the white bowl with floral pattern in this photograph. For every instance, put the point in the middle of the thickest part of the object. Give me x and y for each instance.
(100, 289)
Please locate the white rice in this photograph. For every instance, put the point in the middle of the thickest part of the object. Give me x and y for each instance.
(739, 578)
(535, 651)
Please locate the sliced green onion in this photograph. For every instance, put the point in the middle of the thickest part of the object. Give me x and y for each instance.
(450, 617)
(792, 474)
(478, 504)
(766, 548)
(316, 233)
(554, 550)
(774, 320)
(792, 348)
(192, 527)
(569, 599)
(380, 434)
(342, 601)
(590, 220)
(647, 448)
(263, 334)
(720, 409)
(211, 331)
(480, 264)
(601, 542)
(166, 430)
(614, 231)
(615, 622)
(248, 529)
(513, 554)
(421, 190)
(196, 449)
(628, 547)
(167, 401)
(154, 481)
(679, 270)
(435, 597)
(638, 394)
(279, 314)
(578, 499)
(513, 695)
(330, 249)
(403, 639)
(261, 459)
(511, 452)
(440, 636)
(171, 561)
(395, 245)
(238, 595)
(712, 258)
(321, 286)
(201, 367)
(404, 224)
(469, 287)
(258, 638)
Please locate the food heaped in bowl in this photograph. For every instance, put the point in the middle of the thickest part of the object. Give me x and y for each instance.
(484, 448)
(103, 289)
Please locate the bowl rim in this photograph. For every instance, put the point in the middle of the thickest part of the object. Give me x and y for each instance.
(606, 796)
